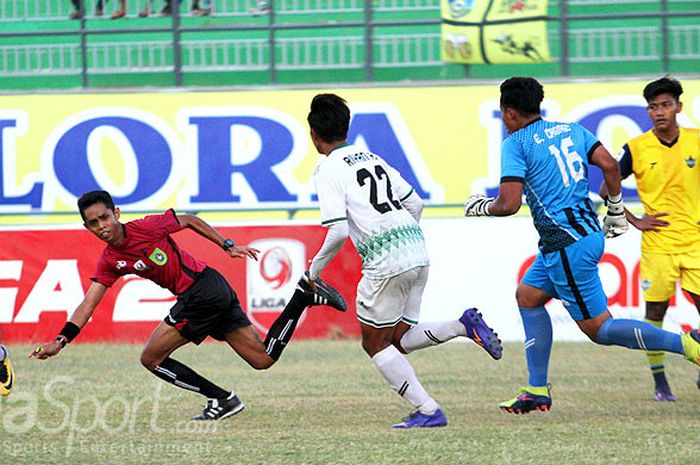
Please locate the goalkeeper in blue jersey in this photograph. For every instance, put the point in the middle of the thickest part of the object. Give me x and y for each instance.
(548, 161)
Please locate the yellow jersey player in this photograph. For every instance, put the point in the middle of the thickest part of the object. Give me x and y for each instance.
(7, 376)
(664, 162)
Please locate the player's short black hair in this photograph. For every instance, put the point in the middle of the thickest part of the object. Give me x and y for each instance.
(329, 117)
(89, 199)
(665, 85)
(523, 94)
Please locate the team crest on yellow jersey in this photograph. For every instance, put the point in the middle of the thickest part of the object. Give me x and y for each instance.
(690, 161)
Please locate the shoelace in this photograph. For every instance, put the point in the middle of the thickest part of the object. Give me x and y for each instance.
(410, 417)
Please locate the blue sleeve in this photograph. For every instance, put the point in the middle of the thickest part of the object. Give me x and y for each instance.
(625, 161)
(513, 163)
(590, 142)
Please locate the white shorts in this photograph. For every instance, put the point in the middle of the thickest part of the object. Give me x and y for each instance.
(383, 303)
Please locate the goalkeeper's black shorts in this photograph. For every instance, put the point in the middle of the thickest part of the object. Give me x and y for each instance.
(210, 307)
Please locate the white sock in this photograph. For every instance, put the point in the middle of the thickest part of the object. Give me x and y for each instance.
(402, 379)
(431, 334)
(3, 353)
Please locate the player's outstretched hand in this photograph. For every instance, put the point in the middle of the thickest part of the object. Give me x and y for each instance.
(615, 223)
(243, 251)
(651, 222)
(477, 205)
(46, 350)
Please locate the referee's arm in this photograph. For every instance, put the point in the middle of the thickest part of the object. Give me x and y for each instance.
(80, 317)
(84, 310)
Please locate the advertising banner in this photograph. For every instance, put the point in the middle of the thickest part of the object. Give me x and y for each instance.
(475, 262)
(44, 275)
(478, 262)
(494, 31)
(245, 150)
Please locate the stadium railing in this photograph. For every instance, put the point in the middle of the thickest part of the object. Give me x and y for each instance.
(310, 41)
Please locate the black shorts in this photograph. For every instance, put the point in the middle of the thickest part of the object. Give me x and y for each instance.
(210, 307)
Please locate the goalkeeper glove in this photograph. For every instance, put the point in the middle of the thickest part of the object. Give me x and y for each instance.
(615, 223)
(477, 205)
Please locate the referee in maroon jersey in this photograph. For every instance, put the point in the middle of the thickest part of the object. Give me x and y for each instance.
(206, 304)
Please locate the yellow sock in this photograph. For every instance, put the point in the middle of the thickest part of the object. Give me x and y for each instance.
(655, 357)
(538, 390)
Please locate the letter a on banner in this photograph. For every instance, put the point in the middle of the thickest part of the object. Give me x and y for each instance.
(494, 31)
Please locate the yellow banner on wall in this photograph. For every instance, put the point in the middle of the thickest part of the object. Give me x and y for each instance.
(494, 31)
(250, 150)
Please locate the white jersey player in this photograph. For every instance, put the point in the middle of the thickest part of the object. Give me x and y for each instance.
(363, 197)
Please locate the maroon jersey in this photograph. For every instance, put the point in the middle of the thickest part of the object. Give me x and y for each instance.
(150, 252)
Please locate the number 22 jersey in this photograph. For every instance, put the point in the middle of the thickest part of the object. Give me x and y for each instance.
(551, 160)
(359, 187)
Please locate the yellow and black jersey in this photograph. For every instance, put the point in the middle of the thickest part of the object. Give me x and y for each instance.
(668, 181)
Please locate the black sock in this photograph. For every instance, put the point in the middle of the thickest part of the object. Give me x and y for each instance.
(282, 329)
(182, 376)
(660, 377)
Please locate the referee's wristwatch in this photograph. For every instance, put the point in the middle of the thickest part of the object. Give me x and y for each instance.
(228, 243)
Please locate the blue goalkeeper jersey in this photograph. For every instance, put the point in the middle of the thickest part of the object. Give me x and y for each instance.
(551, 160)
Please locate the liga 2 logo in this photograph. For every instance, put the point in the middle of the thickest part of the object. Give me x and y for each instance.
(271, 281)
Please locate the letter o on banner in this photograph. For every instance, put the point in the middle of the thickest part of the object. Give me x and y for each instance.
(152, 152)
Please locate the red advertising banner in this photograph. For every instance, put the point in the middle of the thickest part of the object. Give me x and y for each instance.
(44, 275)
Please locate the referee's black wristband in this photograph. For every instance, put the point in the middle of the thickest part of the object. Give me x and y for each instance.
(70, 331)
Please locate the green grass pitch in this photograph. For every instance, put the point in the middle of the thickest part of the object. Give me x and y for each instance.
(324, 403)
